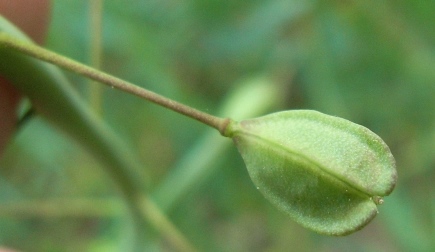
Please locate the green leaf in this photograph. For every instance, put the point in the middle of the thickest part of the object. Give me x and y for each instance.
(327, 173)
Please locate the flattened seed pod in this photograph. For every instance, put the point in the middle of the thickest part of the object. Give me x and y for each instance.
(327, 173)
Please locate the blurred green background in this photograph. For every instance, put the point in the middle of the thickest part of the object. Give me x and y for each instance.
(372, 62)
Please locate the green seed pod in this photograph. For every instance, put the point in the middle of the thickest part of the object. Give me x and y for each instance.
(327, 173)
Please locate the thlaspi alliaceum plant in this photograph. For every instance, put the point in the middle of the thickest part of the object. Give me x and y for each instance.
(327, 173)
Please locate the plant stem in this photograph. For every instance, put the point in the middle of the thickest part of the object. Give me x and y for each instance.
(95, 24)
(118, 163)
(114, 82)
(159, 220)
(91, 208)
(61, 208)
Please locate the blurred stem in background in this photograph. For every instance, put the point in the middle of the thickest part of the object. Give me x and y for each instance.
(252, 98)
(96, 53)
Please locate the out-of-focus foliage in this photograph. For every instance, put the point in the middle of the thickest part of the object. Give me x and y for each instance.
(372, 62)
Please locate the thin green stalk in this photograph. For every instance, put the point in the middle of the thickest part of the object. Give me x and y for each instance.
(95, 208)
(114, 82)
(127, 183)
(96, 30)
(159, 220)
(61, 207)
